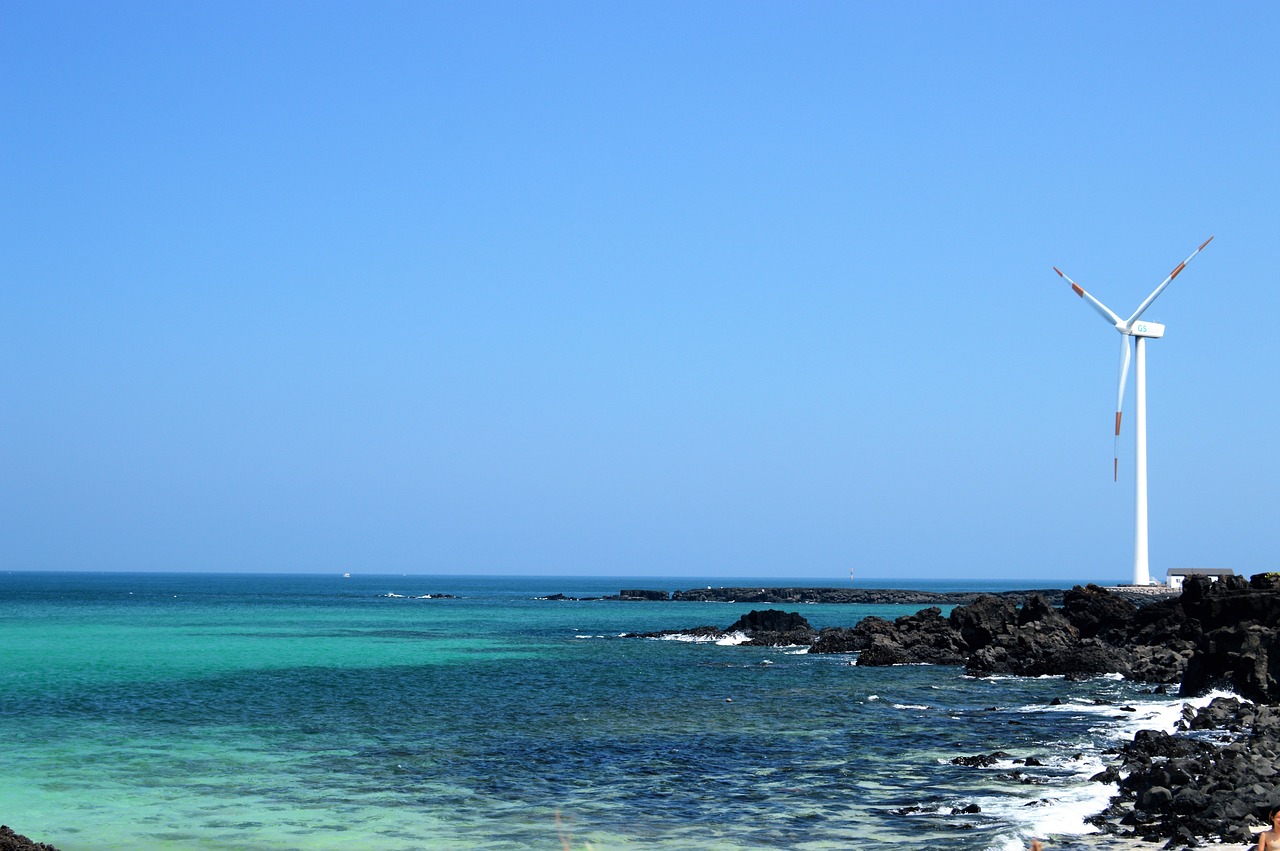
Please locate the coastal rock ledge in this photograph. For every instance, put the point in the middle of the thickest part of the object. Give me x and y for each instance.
(1215, 635)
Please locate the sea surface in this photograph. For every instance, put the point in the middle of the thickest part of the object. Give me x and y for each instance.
(198, 711)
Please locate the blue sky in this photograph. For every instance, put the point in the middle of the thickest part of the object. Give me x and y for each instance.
(633, 288)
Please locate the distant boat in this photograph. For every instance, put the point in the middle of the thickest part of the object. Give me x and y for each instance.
(346, 576)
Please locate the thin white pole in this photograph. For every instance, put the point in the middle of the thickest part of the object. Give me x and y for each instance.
(1141, 568)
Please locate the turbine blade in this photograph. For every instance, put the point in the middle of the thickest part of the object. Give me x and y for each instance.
(1106, 312)
(1124, 377)
(1156, 292)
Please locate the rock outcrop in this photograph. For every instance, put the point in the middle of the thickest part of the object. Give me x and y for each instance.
(923, 637)
(10, 841)
(1237, 645)
(774, 627)
(1217, 634)
(1178, 789)
(641, 594)
(767, 628)
(993, 635)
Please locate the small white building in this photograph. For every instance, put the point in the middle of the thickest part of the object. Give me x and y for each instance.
(1178, 575)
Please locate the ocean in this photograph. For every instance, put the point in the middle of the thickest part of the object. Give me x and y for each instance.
(317, 712)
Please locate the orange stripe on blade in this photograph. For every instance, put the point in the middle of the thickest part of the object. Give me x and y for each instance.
(1175, 272)
(1117, 423)
(1115, 470)
(1079, 291)
(1206, 242)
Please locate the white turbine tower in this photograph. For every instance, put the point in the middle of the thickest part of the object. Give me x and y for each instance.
(1139, 331)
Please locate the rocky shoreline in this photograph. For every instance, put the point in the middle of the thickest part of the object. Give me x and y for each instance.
(1217, 774)
(1138, 595)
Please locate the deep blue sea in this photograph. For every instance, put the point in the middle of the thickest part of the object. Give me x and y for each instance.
(189, 711)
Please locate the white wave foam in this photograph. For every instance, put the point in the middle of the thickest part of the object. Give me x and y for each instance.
(729, 640)
(1160, 715)
(1061, 811)
(1067, 804)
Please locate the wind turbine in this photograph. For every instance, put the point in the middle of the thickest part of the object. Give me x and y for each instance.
(1137, 329)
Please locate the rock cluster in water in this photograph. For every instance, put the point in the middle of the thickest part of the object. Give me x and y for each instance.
(1094, 632)
(767, 628)
(1216, 634)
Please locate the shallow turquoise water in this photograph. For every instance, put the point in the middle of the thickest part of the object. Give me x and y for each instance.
(229, 712)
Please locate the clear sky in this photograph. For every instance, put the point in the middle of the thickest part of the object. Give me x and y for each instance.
(688, 288)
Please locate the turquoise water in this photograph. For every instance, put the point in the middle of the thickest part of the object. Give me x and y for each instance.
(145, 711)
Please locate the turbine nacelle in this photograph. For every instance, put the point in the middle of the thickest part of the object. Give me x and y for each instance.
(1153, 330)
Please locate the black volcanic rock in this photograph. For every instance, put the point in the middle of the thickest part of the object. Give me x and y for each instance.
(642, 594)
(1244, 658)
(769, 620)
(768, 628)
(924, 637)
(774, 628)
(839, 639)
(1042, 641)
(1237, 644)
(982, 760)
(981, 621)
(10, 841)
(1094, 611)
(1217, 634)
(872, 596)
(991, 635)
(1177, 788)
